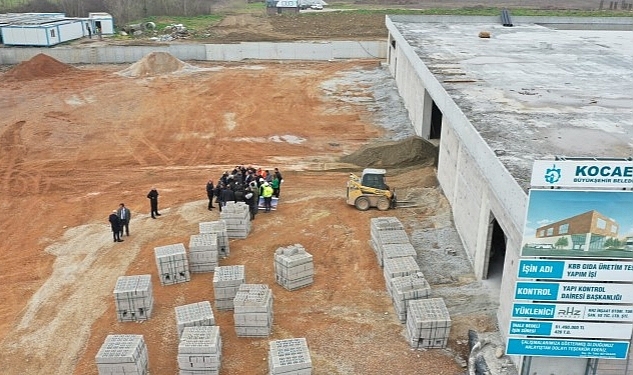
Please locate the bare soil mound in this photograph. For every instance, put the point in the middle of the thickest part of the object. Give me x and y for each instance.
(398, 154)
(155, 63)
(39, 66)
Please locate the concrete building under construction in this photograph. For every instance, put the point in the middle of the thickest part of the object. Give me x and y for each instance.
(497, 94)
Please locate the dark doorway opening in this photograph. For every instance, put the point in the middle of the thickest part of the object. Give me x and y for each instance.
(497, 250)
(436, 122)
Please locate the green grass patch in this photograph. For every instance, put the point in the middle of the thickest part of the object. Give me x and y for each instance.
(194, 23)
(256, 6)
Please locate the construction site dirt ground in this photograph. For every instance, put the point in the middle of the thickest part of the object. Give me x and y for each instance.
(77, 141)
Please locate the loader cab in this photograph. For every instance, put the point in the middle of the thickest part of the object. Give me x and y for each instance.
(374, 178)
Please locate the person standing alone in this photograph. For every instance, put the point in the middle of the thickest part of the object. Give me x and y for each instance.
(125, 215)
(281, 180)
(210, 192)
(153, 202)
(115, 224)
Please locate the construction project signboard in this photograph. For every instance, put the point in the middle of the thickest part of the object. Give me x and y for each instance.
(574, 293)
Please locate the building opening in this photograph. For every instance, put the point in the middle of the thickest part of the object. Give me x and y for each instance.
(436, 122)
(496, 251)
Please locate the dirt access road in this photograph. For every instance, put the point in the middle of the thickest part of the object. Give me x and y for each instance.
(77, 141)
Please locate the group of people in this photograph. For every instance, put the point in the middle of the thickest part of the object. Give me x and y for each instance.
(245, 184)
(119, 221)
(242, 184)
(120, 218)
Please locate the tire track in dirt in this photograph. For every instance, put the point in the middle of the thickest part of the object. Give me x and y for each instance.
(16, 182)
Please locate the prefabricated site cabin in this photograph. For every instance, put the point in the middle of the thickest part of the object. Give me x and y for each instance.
(102, 21)
(49, 29)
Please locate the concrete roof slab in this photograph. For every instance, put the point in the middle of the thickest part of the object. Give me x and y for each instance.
(534, 91)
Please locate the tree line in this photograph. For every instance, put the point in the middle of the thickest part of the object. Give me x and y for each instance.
(123, 11)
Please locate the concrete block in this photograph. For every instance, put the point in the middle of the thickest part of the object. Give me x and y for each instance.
(399, 250)
(400, 267)
(200, 350)
(385, 237)
(385, 223)
(219, 228)
(203, 252)
(428, 323)
(194, 314)
(226, 283)
(133, 298)
(289, 357)
(172, 264)
(123, 354)
(405, 288)
(294, 267)
(253, 310)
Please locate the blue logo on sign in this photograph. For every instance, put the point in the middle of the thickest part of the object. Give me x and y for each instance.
(552, 175)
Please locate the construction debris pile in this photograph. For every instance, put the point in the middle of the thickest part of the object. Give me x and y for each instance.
(172, 32)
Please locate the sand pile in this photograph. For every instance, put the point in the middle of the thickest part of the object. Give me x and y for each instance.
(39, 66)
(399, 154)
(154, 64)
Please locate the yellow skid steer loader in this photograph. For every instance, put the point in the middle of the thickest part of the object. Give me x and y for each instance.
(370, 190)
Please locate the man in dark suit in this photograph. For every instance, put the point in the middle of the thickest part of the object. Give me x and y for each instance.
(115, 224)
(124, 215)
(153, 202)
(210, 193)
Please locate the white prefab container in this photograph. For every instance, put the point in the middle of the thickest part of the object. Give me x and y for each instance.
(102, 20)
(46, 34)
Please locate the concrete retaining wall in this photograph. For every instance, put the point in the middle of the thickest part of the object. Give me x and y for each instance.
(210, 52)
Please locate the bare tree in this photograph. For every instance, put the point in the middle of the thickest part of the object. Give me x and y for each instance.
(72, 8)
(124, 11)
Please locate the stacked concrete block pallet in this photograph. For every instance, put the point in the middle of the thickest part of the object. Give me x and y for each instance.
(172, 264)
(387, 238)
(397, 250)
(219, 228)
(253, 310)
(133, 298)
(289, 357)
(203, 252)
(378, 224)
(384, 231)
(403, 289)
(194, 315)
(200, 351)
(294, 267)
(428, 323)
(123, 355)
(237, 218)
(226, 282)
(399, 267)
